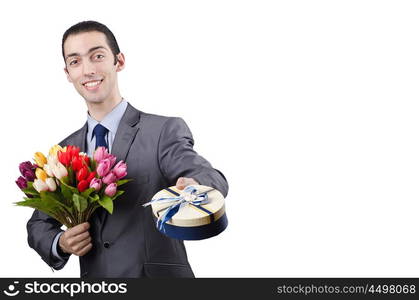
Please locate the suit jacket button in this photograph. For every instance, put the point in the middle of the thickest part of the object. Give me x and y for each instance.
(106, 244)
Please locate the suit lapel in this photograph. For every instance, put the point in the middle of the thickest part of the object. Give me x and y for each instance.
(124, 137)
(125, 133)
(80, 138)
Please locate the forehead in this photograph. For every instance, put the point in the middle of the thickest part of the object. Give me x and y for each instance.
(82, 42)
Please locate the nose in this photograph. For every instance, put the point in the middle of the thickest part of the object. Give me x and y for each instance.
(88, 68)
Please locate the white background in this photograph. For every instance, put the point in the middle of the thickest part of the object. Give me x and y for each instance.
(310, 108)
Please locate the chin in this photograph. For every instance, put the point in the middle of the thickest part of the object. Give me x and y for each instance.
(94, 99)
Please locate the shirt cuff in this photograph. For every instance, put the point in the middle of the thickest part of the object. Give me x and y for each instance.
(55, 246)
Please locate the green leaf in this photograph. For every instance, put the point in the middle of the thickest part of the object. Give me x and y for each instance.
(71, 188)
(95, 198)
(28, 201)
(66, 191)
(117, 194)
(79, 202)
(87, 192)
(70, 175)
(30, 192)
(93, 163)
(39, 204)
(51, 200)
(30, 189)
(121, 182)
(107, 203)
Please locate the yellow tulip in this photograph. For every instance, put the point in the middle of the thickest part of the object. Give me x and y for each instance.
(54, 149)
(40, 174)
(40, 159)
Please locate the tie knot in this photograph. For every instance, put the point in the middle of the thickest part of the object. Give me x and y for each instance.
(100, 130)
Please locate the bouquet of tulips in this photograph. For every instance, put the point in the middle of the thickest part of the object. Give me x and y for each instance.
(68, 185)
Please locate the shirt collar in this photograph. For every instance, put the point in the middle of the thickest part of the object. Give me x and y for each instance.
(110, 121)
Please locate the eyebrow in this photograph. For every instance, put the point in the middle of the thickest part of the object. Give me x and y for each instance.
(90, 50)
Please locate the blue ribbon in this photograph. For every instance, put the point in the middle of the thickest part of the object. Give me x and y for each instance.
(189, 196)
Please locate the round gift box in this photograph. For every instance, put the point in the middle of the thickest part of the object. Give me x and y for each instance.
(192, 222)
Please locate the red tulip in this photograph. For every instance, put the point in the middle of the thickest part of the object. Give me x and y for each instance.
(82, 186)
(77, 163)
(66, 157)
(91, 176)
(86, 160)
(63, 158)
(73, 150)
(82, 173)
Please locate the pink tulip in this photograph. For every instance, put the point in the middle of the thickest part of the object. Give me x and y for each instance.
(112, 159)
(111, 190)
(100, 154)
(103, 167)
(110, 178)
(96, 183)
(120, 170)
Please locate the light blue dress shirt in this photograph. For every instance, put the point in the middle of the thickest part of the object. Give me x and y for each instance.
(111, 122)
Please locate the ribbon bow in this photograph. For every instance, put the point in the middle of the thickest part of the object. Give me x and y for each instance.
(188, 196)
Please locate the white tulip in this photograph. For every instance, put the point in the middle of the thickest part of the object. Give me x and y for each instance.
(59, 170)
(51, 184)
(48, 170)
(40, 185)
(52, 159)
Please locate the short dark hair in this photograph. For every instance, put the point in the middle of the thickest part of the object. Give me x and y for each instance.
(87, 26)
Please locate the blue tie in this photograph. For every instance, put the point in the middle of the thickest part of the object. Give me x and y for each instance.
(100, 131)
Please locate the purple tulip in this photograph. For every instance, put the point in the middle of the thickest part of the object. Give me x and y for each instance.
(120, 170)
(27, 169)
(96, 183)
(110, 178)
(21, 183)
(111, 190)
(29, 175)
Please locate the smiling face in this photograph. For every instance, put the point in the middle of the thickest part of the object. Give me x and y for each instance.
(90, 66)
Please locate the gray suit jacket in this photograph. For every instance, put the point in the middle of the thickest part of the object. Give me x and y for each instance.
(158, 150)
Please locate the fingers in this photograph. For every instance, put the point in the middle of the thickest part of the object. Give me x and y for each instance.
(79, 246)
(75, 239)
(78, 229)
(180, 184)
(79, 238)
(84, 250)
(183, 182)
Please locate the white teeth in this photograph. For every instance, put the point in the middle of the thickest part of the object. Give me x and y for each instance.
(90, 84)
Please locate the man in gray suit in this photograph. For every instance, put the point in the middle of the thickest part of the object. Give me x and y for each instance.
(159, 153)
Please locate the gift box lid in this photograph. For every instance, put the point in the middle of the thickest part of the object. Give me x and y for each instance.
(189, 214)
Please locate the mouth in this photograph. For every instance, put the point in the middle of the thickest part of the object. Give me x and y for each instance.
(92, 85)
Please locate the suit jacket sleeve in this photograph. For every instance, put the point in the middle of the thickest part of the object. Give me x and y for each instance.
(42, 230)
(177, 158)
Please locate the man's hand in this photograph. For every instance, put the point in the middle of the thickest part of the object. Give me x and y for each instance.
(76, 240)
(183, 182)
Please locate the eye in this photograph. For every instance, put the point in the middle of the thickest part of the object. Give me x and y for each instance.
(74, 61)
(100, 56)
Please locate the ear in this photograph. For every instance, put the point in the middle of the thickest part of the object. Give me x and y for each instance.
(120, 64)
(68, 75)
